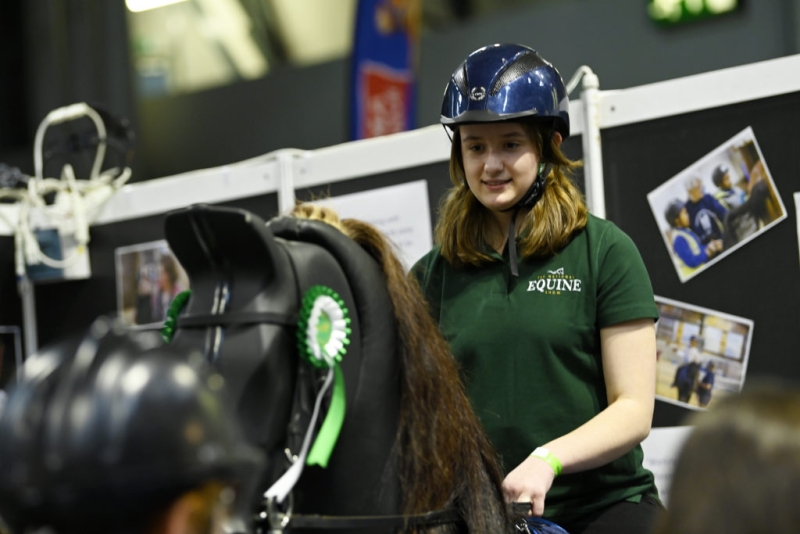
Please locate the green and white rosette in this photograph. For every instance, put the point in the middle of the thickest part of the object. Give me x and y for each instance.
(323, 334)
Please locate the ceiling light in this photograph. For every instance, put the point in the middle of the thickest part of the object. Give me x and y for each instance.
(143, 5)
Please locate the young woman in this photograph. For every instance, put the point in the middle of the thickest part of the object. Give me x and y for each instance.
(548, 309)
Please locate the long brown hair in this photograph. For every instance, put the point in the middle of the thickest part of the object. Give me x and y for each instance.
(463, 223)
(444, 456)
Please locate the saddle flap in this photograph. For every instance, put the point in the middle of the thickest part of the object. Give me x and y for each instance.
(240, 278)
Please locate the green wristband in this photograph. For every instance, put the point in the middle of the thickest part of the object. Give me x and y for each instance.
(548, 457)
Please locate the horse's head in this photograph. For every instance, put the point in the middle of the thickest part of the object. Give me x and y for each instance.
(251, 312)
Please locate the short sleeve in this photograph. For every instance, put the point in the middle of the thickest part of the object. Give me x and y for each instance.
(624, 290)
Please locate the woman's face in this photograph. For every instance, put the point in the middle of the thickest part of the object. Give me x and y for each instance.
(163, 279)
(500, 163)
(683, 218)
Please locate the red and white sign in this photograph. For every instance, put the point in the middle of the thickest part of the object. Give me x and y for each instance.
(386, 98)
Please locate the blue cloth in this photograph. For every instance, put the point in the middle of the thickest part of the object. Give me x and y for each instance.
(706, 217)
(709, 378)
(731, 198)
(538, 525)
(688, 247)
(703, 394)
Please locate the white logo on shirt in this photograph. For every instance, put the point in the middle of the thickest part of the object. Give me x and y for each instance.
(555, 282)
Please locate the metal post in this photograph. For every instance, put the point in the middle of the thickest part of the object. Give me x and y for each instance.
(286, 197)
(592, 147)
(28, 296)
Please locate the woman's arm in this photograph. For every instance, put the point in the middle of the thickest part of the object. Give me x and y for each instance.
(629, 369)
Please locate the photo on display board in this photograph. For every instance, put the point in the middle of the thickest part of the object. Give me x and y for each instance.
(148, 278)
(702, 354)
(716, 205)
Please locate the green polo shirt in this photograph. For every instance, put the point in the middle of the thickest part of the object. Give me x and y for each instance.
(529, 350)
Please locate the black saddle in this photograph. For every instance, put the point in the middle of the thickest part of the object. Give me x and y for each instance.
(248, 279)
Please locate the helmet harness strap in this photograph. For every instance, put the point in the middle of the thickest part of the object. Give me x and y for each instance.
(528, 201)
(447, 131)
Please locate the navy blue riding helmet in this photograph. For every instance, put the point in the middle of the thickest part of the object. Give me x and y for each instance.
(509, 82)
(502, 82)
(719, 173)
(673, 211)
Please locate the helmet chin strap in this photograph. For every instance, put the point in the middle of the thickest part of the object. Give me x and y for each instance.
(528, 201)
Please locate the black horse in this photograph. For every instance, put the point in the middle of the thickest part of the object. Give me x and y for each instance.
(686, 380)
(410, 453)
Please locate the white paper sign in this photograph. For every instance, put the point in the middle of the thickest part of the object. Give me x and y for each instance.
(661, 450)
(401, 212)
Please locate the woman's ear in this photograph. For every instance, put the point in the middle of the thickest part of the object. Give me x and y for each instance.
(557, 138)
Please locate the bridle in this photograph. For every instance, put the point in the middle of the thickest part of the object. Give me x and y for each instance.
(278, 522)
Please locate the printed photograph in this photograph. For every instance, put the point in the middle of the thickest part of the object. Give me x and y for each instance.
(702, 354)
(716, 205)
(148, 278)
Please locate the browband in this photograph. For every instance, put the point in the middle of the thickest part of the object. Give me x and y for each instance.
(236, 318)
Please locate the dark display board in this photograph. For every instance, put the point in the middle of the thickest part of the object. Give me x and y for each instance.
(10, 304)
(759, 281)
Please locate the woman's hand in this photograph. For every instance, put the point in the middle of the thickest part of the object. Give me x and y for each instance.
(713, 248)
(529, 482)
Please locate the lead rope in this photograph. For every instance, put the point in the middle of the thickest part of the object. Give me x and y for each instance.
(281, 488)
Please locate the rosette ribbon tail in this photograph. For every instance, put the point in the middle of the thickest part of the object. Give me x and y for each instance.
(332, 425)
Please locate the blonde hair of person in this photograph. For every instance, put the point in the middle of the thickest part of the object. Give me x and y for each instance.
(195, 512)
(464, 224)
(739, 470)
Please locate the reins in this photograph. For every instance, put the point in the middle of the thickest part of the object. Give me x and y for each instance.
(279, 522)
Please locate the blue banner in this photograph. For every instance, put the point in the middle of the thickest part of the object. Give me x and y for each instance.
(383, 83)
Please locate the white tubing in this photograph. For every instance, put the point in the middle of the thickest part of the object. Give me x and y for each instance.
(592, 146)
(286, 169)
(65, 114)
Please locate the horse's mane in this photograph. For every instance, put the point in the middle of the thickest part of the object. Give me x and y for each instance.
(443, 455)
